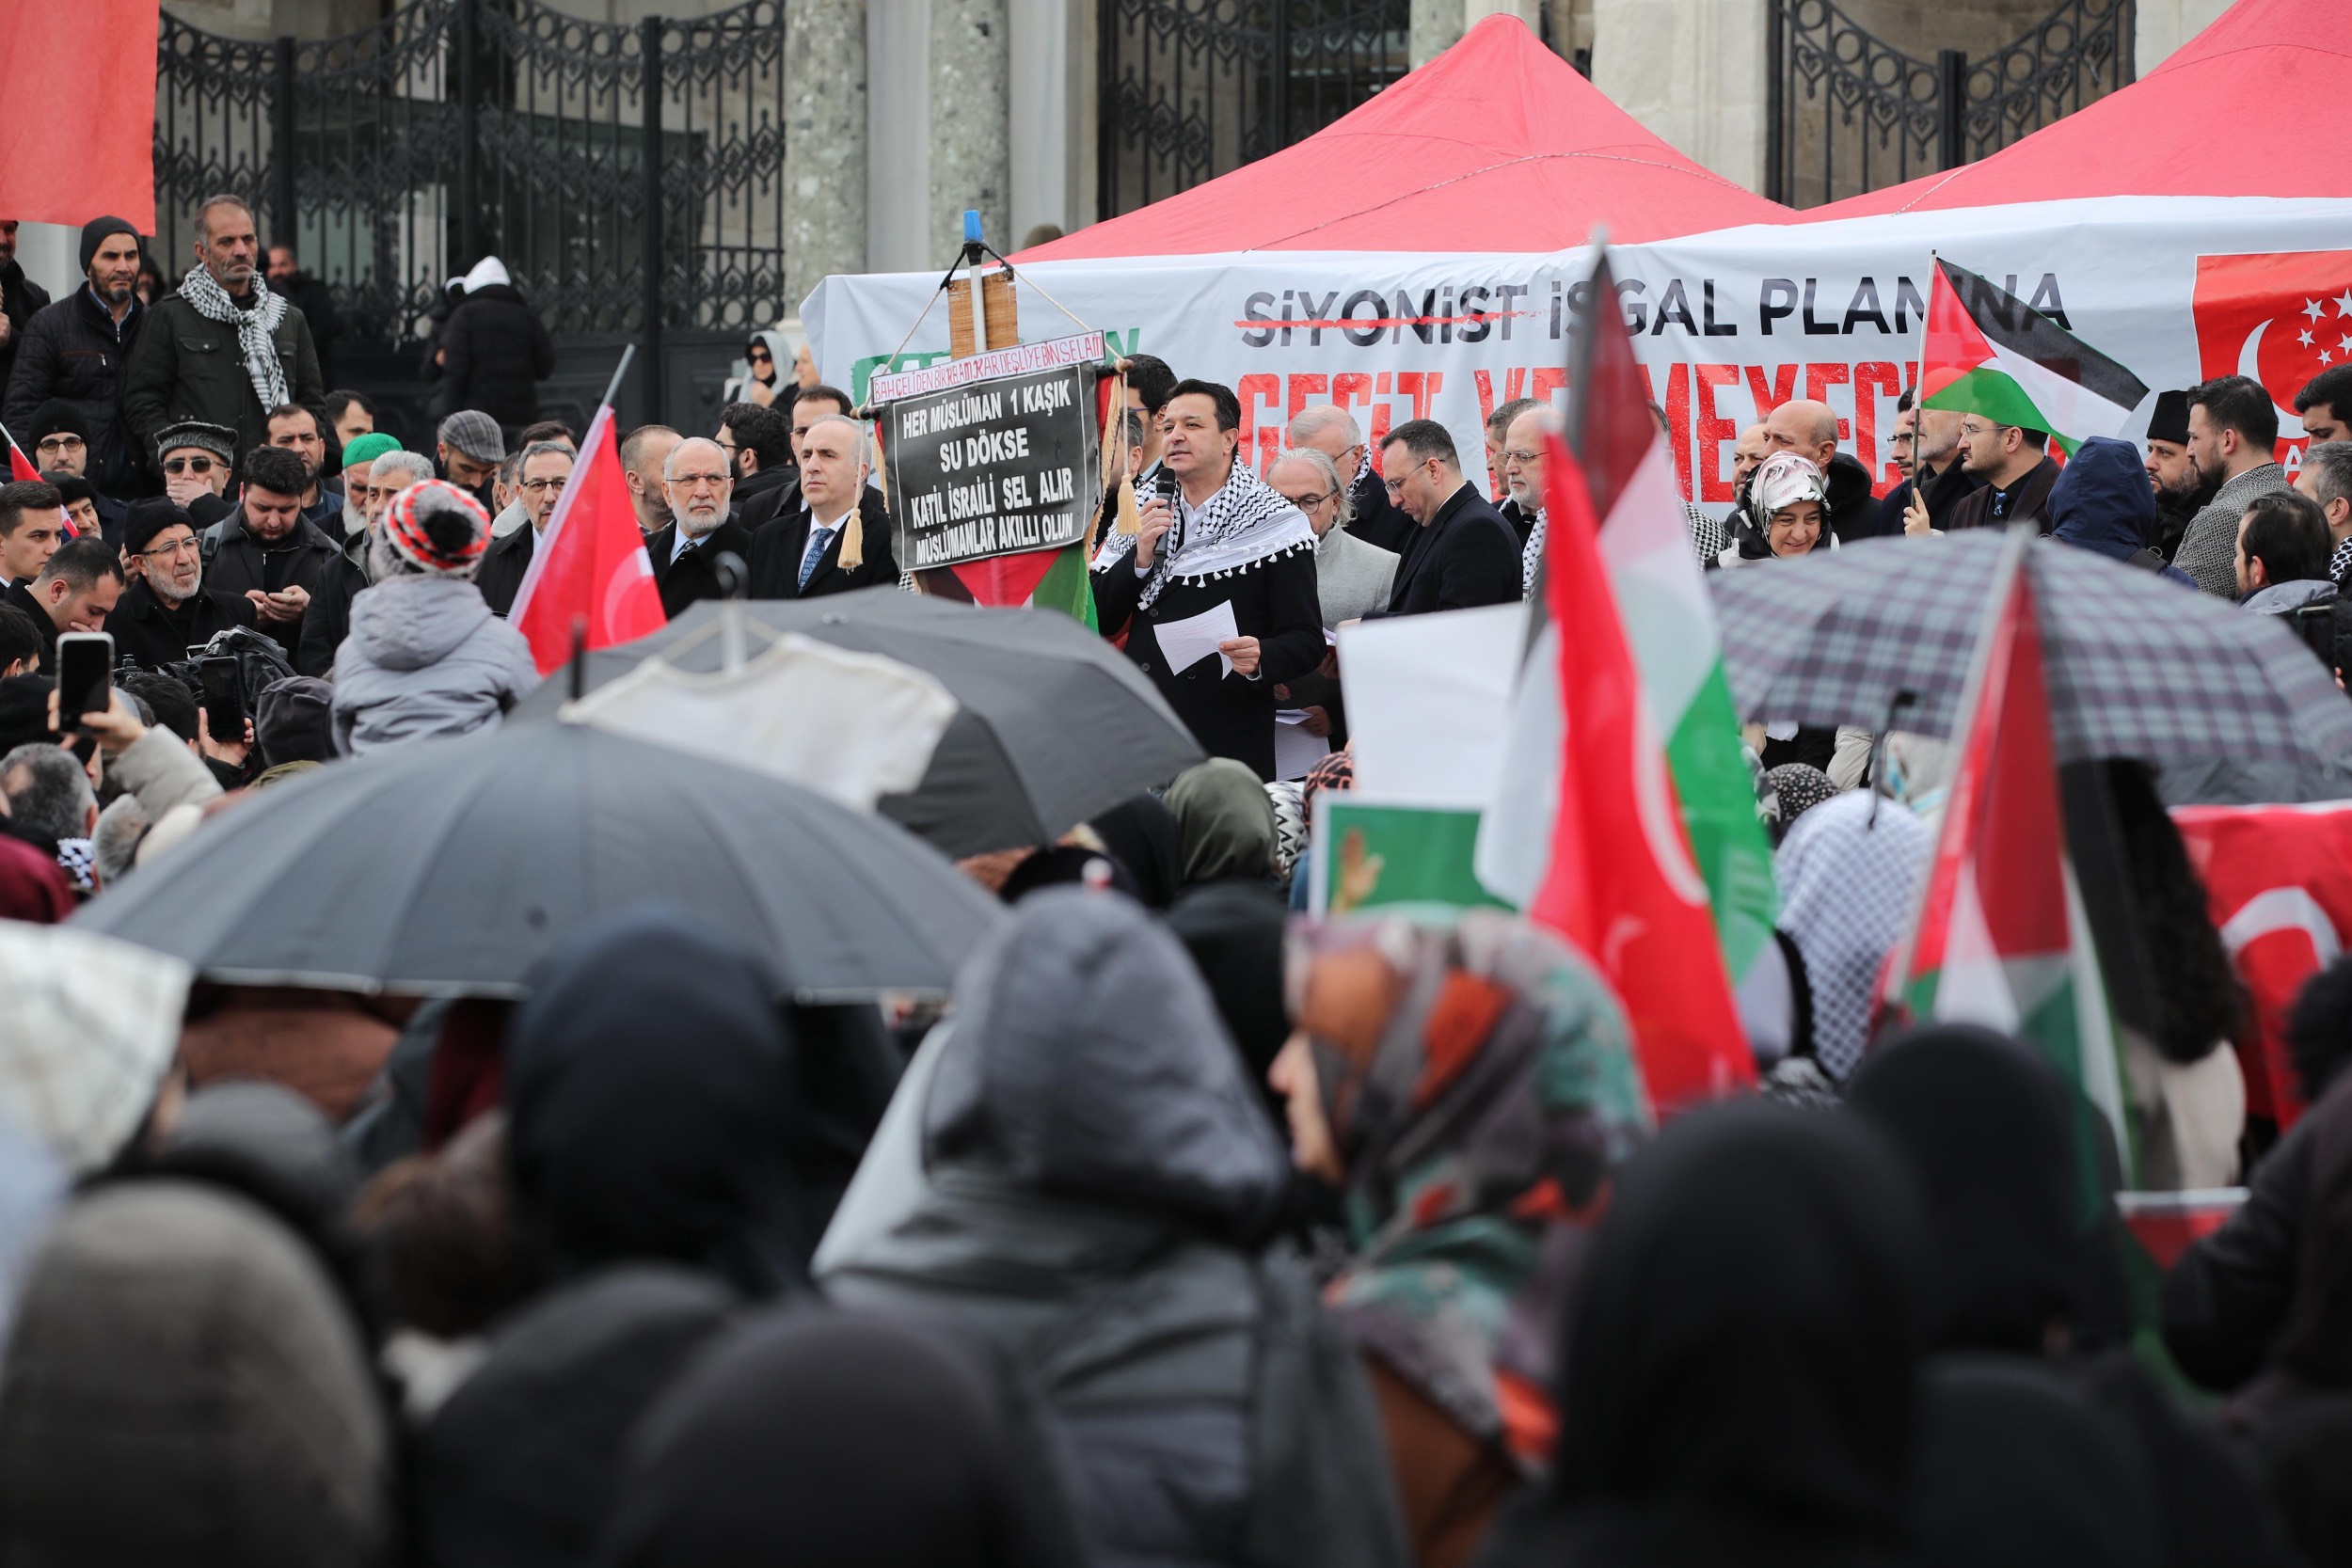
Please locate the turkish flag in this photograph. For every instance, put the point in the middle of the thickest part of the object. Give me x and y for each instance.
(77, 140)
(2281, 318)
(590, 566)
(2279, 889)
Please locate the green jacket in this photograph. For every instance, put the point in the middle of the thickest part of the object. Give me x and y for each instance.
(185, 367)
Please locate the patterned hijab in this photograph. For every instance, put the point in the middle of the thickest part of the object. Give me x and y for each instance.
(1246, 522)
(1501, 1093)
(1849, 879)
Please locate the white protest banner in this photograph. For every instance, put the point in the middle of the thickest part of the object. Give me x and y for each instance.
(1728, 323)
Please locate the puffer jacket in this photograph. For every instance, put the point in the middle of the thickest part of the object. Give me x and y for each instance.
(74, 349)
(1096, 1166)
(495, 353)
(425, 659)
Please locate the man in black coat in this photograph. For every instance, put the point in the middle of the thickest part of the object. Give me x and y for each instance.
(1462, 553)
(77, 350)
(167, 609)
(686, 554)
(495, 350)
(2017, 476)
(76, 591)
(798, 556)
(758, 445)
(1230, 542)
(1937, 471)
(56, 437)
(19, 298)
(267, 553)
(543, 469)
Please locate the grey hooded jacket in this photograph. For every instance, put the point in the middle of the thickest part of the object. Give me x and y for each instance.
(425, 659)
(1095, 1161)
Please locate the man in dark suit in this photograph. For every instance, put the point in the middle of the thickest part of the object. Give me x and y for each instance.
(1333, 432)
(1462, 554)
(798, 555)
(686, 554)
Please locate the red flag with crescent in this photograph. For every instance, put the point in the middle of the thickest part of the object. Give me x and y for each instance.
(2278, 318)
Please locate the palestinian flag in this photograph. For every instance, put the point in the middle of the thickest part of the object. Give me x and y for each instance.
(1625, 817)
(2001, 939)
(1051, 579)
(1986, 351)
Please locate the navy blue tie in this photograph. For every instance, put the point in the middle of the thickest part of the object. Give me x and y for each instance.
(817, 539)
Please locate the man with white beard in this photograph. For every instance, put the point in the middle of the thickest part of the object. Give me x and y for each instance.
(696, 482)
(167, 609)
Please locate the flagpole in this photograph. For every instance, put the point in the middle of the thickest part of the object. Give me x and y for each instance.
(629, 352)
(1919, 384)
(546, 542)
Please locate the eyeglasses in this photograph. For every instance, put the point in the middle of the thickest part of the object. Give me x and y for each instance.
(698, 481)
(1306, 503)
(57, 443)
(188, 546)
(540, 487)
(189, 465)
(1514, 455)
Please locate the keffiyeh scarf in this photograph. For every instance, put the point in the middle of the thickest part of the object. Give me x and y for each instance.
(1849, 879)
(253, 328)
(1246, 522)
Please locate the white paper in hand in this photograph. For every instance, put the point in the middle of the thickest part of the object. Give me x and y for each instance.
(1295, 751)
(1184, 643)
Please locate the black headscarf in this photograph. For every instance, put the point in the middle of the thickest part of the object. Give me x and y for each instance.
(1233, 931)
(840, 1442)
(1987, 1129)
(1142, 835)
(652, 1111)
(1741, 1367)
(2018, 1468)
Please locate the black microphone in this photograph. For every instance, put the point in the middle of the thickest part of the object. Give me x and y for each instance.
(1167, 485)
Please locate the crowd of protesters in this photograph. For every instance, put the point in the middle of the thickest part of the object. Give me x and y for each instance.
(1195, 1229)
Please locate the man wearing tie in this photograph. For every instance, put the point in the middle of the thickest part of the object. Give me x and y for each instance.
(685, 555)
(839, 538)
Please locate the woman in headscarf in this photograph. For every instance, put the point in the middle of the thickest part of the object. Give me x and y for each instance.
(1849, 874)
(1225, 543)
(1227, 823)
(1741, 1378)
(765, 359)
(1098, 1181)
(1795, 788)
(1469, 1081)
(841, 1442)
(1789, 495)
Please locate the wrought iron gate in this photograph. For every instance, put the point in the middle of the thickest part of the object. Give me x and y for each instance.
(1848, 112)
(630, 176)
(1195, 88)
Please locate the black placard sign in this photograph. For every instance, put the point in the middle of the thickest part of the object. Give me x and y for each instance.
(993, 467)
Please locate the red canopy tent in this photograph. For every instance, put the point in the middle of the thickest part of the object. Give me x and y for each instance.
(1496, 145)
(2217, 118)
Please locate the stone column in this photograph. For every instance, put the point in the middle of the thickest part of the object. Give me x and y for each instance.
(824, 149)
(1437, 25)
(970, 152)
(1693, 72)
(2160, 27)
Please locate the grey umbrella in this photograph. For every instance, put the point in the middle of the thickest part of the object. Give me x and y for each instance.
(1054, 726)
(451, 868)
(2138, 666)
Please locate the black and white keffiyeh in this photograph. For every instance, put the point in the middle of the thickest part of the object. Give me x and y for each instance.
(1246, 522)
(253, 328)
(1850, 880)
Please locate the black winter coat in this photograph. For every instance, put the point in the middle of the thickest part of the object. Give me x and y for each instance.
(1946, 491)
(1467, 556)
(495, 353)
(2028, 497)
(185, 367)
(77, 350)
(504, 567)
(693, 577)
(2224, 1304)
(1853, 511)
(761, 498)
(20, 299)
(241, 564)
(777, 548)
(1273, 601)
(327, 622)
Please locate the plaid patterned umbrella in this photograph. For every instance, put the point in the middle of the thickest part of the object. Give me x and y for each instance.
(2138, 666)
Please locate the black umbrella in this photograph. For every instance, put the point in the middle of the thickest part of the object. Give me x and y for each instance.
(451, 868)
(1055, 726)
